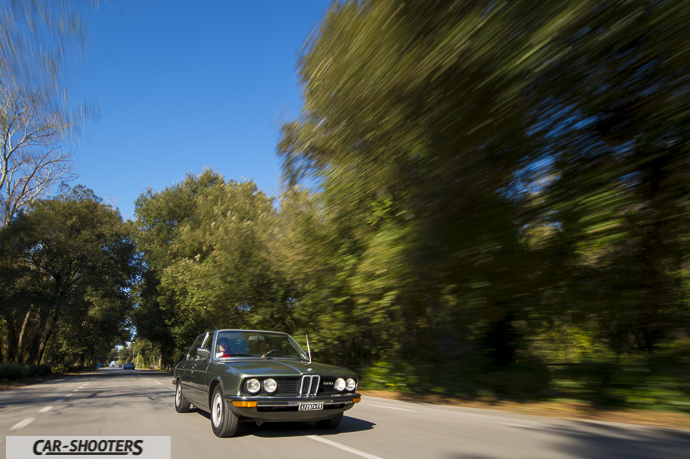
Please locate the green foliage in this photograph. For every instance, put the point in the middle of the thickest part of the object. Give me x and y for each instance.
(11, 371)
(207, 244)
(384, 376)
(69, 263)
(502, 186)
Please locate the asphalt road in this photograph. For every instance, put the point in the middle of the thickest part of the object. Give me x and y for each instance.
(116, 402)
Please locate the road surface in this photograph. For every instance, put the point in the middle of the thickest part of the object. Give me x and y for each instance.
(116, 402)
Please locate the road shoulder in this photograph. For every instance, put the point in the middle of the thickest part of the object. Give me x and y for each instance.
(576, 411)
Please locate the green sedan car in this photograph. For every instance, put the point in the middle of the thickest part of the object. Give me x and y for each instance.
(260, 376)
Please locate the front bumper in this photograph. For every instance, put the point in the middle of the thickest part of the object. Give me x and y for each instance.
(286, 409)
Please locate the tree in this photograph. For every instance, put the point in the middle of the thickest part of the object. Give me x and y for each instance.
(32, 158)
(39, 38)
(69, 264)
(488, 170)
(414, 124)
(611, 117)
(160, 216)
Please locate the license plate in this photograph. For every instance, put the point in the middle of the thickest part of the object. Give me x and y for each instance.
(310, 406)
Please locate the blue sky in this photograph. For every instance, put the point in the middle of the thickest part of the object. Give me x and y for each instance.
(182, 86)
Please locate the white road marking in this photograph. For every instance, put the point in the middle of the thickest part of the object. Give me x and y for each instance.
(59, 400)
(69, 395)
(22, 424)
(390, 407)
(75, 390)
(343, 447)
(44, 409)
(156, 382)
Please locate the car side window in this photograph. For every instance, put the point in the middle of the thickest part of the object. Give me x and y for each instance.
(191, 353)
(206, 344)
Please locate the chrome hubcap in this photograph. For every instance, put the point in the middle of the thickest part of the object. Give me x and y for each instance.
(177, 395)
(217, 407)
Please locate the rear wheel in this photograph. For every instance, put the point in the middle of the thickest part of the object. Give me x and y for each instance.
(223, 421)
(331, 423)
(181, 403)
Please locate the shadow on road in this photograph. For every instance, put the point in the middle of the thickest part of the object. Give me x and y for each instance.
(295, 429)
(606, 441)
(38, 394)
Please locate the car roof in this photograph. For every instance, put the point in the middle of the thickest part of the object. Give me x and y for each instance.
(253, 331)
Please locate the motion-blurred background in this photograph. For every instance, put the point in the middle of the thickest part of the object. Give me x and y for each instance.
(484, 199)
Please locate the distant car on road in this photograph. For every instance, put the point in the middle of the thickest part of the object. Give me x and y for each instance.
(129, 366)
(261, 376)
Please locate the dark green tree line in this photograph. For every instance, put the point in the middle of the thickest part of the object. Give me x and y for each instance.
(501, 182)
(68, 264)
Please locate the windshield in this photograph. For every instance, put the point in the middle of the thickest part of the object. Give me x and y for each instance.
(266, 345)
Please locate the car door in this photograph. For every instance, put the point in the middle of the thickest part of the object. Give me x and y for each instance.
(186, 366)
(197, 372)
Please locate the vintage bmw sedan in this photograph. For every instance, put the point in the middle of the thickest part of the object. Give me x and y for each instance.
(261, 376)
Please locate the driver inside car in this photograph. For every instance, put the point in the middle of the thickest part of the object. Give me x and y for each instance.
(263, 348)
(223, 348)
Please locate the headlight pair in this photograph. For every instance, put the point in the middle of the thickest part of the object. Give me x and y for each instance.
(254, 385)
(340, 384)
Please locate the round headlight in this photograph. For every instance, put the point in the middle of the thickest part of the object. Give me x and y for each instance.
(253, 386)
(270, 385)
(339, 384)
(350, 384)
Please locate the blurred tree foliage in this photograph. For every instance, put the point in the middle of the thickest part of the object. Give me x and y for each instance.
(499, 183)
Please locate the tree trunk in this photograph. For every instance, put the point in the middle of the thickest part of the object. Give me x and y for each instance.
(22, 333)
(661, 254)
(38, 337)
(44, 341)
(10, 340)
(3, 326)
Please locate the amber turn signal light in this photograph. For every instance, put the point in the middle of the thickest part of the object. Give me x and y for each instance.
(244, 404)
(357, 400)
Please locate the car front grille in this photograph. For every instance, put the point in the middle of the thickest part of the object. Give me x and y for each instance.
(309, 385)
(288, 386)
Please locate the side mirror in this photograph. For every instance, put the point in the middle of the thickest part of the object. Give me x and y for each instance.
(203, 353)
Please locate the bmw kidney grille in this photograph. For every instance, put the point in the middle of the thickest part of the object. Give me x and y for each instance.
(309, 385)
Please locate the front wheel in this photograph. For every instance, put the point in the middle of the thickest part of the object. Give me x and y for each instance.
(181, 403)
(331, 423)
(223, 421)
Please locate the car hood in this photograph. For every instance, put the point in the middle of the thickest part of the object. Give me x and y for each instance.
(279, 367)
